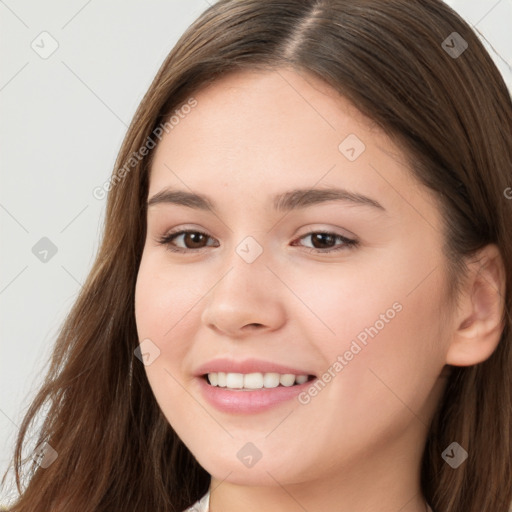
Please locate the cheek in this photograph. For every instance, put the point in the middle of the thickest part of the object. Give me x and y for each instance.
(164, 309)
(164, 299)
(377, 329)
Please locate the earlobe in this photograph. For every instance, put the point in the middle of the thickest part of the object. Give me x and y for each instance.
(480, 319)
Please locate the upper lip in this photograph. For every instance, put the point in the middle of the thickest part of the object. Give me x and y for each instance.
(247, 366)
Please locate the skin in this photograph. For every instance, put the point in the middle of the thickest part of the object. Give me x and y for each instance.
(357, 445)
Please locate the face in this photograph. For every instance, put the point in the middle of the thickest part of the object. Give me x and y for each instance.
(311, 252)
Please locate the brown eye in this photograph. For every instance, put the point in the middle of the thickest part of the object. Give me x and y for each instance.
(319, 240)
(322, 242)
(189, 240)
(194, 240)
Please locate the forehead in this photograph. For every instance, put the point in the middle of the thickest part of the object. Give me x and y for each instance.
(256, 110)
(253, 133)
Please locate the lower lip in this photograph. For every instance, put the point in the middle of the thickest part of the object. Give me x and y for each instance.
(240, 401)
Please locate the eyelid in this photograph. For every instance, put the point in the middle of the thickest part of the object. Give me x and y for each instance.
(320, 228)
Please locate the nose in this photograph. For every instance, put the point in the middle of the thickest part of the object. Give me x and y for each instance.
(248, 298)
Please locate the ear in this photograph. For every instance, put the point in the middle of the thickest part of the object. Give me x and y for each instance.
(479, 320)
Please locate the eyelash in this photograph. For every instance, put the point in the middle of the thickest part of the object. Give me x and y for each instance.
(168, 238)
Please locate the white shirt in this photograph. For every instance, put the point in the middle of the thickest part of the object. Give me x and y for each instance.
(203, 504)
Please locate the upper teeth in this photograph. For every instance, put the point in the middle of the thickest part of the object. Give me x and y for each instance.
(254, 380)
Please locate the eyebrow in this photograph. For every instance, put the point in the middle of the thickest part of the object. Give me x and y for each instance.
(284, 202)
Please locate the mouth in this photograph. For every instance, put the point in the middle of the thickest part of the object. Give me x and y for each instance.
(255, 381)
(250, 393)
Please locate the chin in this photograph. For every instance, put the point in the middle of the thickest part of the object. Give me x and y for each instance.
(260, 474)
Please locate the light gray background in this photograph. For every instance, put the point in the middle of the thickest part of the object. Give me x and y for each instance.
(63, 120)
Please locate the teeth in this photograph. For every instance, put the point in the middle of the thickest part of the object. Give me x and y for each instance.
(287, 379)
(271, 380)
(300, 379)
(254, 380)
(234, 380)
(214, 378)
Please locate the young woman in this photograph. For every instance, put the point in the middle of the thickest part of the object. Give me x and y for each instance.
(302, 297)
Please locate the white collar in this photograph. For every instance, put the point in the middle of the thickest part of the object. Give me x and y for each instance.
(202, 505)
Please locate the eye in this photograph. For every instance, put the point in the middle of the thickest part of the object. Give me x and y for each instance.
(195, 241)
(320, 239)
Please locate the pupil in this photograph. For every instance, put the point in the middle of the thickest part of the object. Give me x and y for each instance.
(194, 237)
(321, 236)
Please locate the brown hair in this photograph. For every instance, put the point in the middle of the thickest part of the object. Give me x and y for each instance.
(453, 119)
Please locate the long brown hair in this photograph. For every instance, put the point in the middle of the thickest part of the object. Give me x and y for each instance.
(451, 115)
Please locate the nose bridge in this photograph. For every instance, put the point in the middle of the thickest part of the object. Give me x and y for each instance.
(246, 267)
(246, 291)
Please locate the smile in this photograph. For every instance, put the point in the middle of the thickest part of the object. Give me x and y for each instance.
(238, 393)
(251, 381)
